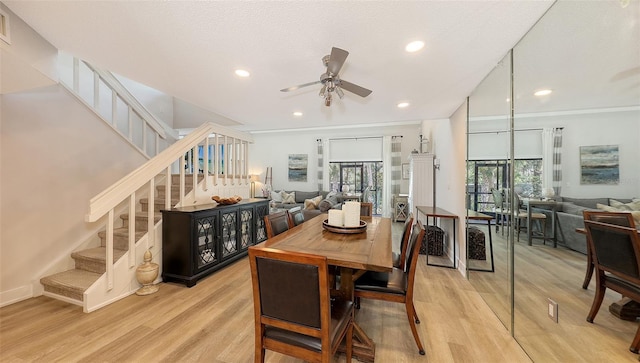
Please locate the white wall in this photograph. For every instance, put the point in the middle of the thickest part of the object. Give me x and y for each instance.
(29, 61)
(55, 155)
(449, 145)
(589, 127)
(273, 149)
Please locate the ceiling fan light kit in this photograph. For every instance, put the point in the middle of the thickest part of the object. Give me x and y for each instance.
(330, 80)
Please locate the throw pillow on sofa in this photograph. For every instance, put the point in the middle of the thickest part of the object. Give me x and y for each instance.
(311, 204)
(302, 196)
(288, 198)
(608, 208)
(327, 203)
(632, 206)
(276, 197)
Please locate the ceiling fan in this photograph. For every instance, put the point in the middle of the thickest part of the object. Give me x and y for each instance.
(330, 79)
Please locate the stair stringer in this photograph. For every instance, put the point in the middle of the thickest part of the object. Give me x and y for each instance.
(124, 281)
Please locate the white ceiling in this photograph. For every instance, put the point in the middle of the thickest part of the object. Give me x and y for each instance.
(189, 49)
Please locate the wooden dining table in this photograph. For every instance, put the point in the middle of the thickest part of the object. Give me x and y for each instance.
(352, 253)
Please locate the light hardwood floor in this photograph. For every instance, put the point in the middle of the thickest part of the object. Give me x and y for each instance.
(213, 322)
(542, 272)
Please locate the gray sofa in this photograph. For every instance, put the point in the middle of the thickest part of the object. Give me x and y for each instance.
(569, 217)
(333, 201)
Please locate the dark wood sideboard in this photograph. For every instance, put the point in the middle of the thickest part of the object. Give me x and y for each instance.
(198, 240)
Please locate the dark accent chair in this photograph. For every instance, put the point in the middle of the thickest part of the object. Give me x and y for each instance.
(294, 313)
(400, 258)
(397, 285)
(296, 215)
(617, 218)
(366, 209)
(616, 257)
(277, 223)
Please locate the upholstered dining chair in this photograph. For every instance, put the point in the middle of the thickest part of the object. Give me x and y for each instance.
(397, 285)
(296, 215)
(366, 209)
(400, 258)
(616, 258)
(535, 217)
(294, 312)
(617, 218)
(277, 223)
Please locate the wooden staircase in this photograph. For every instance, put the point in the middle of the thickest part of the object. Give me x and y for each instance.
(90, 264)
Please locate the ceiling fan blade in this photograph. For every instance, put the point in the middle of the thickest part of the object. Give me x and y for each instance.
(336, 60)
(354, 88)
(293, 88)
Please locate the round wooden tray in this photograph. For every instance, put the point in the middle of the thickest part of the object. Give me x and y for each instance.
(335, 229)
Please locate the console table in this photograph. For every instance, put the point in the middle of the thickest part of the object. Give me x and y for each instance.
(436, 212)
(198, 240)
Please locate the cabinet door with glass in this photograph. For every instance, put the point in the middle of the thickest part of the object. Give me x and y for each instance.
(262, 209)
(207, 249)
(228, 233)
(247, 226)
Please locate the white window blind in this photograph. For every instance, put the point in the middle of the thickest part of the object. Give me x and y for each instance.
(355, 149)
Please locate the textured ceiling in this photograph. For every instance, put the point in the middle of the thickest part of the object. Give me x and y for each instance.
(190, 49)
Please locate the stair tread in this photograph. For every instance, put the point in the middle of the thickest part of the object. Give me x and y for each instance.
(77, 280)
(122, 232)
(97, 254)
(141, 214)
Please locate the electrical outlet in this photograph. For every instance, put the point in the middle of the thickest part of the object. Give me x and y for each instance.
(553, 310)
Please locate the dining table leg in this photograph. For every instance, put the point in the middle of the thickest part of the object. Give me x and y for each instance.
(364, 348)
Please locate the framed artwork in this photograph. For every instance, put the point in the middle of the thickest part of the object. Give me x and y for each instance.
(405, 171)
(298, 167)
(599, 164)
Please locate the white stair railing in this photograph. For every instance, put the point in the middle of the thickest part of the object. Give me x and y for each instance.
(221, 169)
(103, 93)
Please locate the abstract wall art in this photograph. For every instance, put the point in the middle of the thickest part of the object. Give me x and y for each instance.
(599, 164)
(298, 167)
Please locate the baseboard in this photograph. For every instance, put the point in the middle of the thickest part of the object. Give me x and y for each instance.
(18, 294)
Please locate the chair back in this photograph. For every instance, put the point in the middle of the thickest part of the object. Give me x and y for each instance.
(296, 215)
(404, 242)
(497, 199)
(292, 306)
(617, 218)
(417, 235)
(366, 209)
(277, 223)
(616, 249)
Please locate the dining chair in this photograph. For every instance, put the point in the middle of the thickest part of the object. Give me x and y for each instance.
(397, 285)
(294, 313)
(617, 218)
(616, 258)
(535, 217)
(296, 215)
(276, 223)
(400, 258)
(366, 209)
(502, 210)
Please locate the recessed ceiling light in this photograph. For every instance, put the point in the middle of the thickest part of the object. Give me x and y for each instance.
(414, 46)
(242, 73)
(297, 113)
(403, 104)
(508, 99)
(543, 92)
